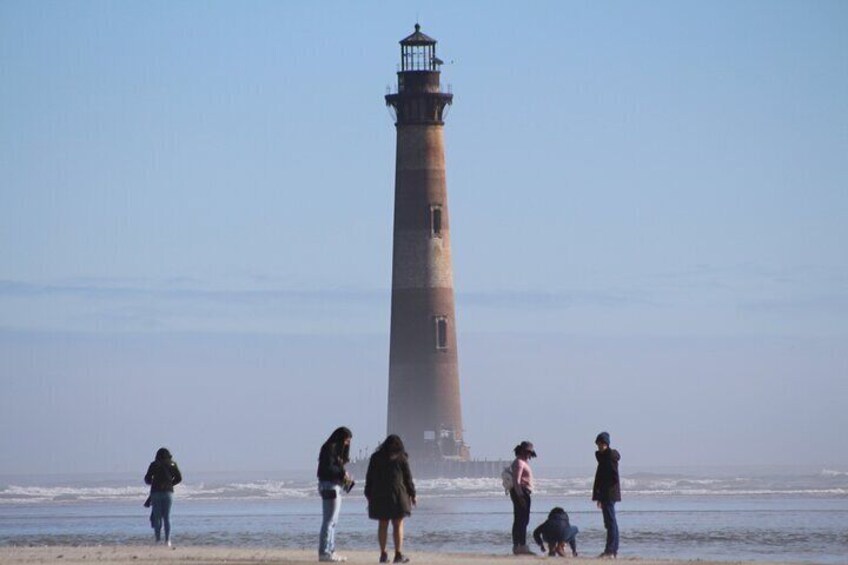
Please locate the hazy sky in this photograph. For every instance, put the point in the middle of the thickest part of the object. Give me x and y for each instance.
(649, 216)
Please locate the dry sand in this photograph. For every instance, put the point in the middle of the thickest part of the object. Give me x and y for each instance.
(129, 555)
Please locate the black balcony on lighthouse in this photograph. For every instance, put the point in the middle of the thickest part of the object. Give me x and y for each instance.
(419, 98)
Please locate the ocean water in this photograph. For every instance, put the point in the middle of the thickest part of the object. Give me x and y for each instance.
(777, 517)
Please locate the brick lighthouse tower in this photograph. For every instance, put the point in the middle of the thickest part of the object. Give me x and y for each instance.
(424, 403)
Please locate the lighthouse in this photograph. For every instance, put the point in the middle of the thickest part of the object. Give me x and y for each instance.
(424, 398)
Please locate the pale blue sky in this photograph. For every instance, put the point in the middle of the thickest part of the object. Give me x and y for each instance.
(648, 213)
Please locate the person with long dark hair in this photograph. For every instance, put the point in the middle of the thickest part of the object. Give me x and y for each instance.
(162, 475)
(522, 487)
(390, 493)
(332, 479)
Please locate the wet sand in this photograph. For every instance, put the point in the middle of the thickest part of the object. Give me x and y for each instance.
(128, 555)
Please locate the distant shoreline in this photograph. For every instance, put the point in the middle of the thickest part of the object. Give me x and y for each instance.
(126, 555)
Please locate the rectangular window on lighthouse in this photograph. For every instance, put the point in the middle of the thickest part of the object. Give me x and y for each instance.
(436, 221)
(441, 332)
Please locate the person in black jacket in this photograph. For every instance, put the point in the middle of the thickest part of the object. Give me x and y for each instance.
(607, 491)
(556, 531)
(390, 493)
(162, 475)
(332, 479)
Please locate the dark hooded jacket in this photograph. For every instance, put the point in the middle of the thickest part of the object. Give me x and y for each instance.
(163, 473)
(607, 487)
(331, 463)
(555, 529)
(388, 486)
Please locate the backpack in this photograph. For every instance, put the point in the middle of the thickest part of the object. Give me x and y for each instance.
(507, 479)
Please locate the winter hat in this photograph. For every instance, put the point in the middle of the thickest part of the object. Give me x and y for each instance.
(603, 437)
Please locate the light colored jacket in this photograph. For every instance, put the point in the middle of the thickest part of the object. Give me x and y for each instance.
(522, 476)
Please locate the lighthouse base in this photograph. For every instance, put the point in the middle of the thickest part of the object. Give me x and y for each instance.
(446, 468)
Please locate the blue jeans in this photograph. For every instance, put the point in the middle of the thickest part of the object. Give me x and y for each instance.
(570, 538)
(160, 513)
(331, 500)
(610, 523)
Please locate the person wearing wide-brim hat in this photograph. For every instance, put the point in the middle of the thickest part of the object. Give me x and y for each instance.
(522, 487)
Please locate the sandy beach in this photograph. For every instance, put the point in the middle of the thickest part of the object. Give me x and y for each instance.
(141, 554)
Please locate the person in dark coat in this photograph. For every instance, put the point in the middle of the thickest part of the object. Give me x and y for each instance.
(607, 490)
(556, 531)
(162, 475)
(390, 493)
(332, 480)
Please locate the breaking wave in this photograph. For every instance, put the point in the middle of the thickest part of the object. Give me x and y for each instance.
(827, 483)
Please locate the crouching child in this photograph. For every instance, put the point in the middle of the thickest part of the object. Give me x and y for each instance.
(556, 531)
